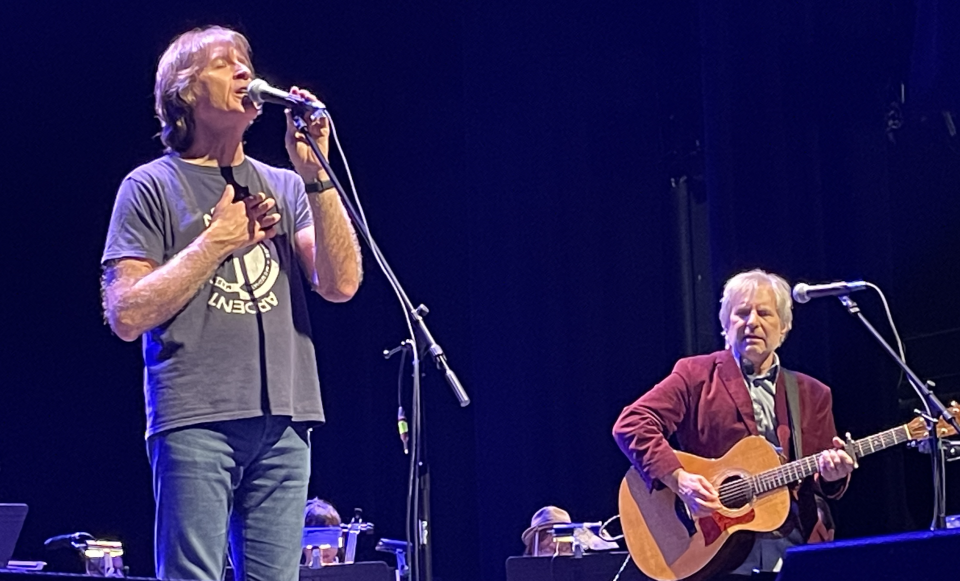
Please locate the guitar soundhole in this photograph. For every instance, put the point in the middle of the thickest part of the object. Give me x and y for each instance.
(735, 492)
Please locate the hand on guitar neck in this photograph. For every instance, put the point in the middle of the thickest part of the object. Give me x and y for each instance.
(835, 464)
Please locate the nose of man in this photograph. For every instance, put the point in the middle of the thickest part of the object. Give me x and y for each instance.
(242, 71)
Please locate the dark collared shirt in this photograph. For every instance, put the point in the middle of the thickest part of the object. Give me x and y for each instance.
(763, 390)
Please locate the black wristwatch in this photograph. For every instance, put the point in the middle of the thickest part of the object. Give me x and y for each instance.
(317, 187)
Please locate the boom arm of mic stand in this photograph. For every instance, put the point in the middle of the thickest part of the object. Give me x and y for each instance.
(921, 388)
(430, 345)
(436, 352)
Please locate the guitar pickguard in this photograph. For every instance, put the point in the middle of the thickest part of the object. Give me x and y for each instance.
(714, 525)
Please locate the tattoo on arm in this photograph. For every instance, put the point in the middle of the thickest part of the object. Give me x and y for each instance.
(138, 295)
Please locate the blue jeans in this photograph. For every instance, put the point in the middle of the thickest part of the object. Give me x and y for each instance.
(245, 480)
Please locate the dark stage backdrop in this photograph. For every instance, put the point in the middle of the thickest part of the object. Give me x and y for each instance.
(515, 162)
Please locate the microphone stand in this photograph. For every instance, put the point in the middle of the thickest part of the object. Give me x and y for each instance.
(423, 341)
(933, 405)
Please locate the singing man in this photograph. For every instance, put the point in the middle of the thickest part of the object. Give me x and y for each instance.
(203, 259)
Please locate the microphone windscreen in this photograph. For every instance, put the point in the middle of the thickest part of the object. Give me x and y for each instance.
(800, 293)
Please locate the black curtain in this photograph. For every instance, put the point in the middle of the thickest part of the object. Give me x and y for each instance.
(573, 284)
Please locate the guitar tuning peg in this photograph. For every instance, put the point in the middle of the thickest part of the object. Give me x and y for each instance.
(925, 416)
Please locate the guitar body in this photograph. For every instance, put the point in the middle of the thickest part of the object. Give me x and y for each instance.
(668, 545)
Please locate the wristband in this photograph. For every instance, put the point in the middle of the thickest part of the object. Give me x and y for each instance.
(317, 187)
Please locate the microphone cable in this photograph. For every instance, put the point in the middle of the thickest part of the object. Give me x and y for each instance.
(413, 535)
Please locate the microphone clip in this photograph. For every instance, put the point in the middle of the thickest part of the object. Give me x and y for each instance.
(404, 345)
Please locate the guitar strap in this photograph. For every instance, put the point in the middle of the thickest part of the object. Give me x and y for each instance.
(816, 521)
(793, 410)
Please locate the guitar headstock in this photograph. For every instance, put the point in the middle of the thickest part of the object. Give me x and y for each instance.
(918, 426)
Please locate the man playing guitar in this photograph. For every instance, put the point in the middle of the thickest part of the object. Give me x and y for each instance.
(711, 402)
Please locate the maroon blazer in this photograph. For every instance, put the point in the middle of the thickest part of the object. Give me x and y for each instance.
(704, 402)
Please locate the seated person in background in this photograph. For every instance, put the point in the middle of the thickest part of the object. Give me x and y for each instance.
(539, 541)
(320, 513)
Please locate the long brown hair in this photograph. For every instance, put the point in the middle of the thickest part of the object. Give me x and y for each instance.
(177, 74)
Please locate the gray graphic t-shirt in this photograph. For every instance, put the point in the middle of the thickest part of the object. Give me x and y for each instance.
(242, 346)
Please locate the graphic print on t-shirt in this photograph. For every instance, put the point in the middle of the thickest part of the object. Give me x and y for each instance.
(244, 285)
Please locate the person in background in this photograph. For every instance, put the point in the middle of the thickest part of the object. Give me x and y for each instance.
(538, 539)
(320, 513)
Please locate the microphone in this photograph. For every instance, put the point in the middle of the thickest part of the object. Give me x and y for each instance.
(261, 92)
(803, 292)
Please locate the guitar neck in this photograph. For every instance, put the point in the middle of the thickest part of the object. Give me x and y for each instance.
(799, 469)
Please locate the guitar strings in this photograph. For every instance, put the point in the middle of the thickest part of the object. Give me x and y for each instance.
(778, 477)
(771, 478)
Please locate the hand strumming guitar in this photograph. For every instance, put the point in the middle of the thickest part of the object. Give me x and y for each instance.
(695, 491)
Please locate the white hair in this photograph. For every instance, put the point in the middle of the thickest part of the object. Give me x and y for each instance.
(747, 283)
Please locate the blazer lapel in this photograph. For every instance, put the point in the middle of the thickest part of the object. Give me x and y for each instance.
(732, 379)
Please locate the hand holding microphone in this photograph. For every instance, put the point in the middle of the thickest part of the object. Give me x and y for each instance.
(301, 155)
(313, 112)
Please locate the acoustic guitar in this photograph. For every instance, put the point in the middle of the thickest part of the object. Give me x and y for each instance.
(667, 544)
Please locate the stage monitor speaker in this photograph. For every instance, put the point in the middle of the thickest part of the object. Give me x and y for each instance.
(360, 571)
(920, 555)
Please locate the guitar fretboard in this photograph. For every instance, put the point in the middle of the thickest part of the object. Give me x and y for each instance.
(800, 469)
